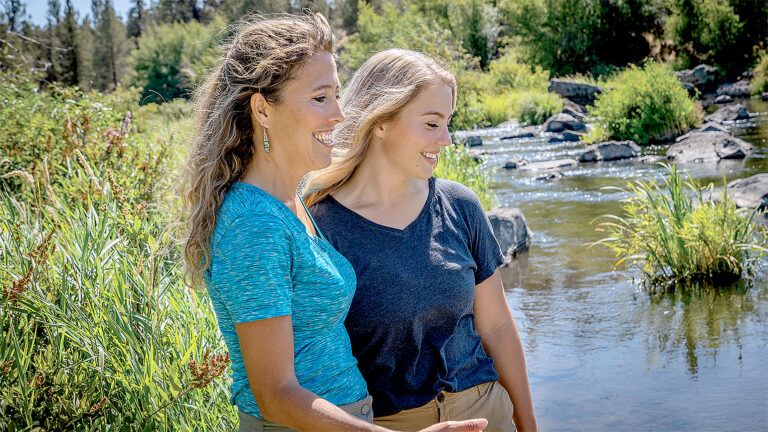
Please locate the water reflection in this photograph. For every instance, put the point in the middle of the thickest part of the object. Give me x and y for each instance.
(697, 321)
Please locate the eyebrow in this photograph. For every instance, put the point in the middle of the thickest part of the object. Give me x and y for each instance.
(434, 113)
(326, 86)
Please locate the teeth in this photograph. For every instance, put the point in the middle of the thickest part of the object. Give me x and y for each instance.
(324, 137)
(429, 155)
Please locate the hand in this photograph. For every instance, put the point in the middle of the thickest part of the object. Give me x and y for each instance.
(474, 425)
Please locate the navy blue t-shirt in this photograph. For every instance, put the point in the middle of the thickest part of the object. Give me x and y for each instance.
(411, 321)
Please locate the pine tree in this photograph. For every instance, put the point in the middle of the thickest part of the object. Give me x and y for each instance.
(136, 21)
(85, 57)
(14, 11)
(110, 52)
(53, 49)
(70, 73)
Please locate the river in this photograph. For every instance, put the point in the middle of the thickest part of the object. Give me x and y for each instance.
(604, 355)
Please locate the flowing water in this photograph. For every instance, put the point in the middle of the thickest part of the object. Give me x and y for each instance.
(604, 355)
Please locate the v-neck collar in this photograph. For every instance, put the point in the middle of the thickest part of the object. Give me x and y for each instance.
(413, 223)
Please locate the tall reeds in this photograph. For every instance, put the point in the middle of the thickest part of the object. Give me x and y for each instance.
(676, 237)
(98, 331)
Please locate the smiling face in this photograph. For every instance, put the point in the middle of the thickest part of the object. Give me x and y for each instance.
(300, 125)
(412, 141)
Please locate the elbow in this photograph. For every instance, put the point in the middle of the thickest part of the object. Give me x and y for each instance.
(269, 402)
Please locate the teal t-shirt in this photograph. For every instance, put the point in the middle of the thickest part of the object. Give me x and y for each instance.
(264, 264)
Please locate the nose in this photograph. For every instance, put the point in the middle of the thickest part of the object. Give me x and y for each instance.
(337, 115)
(445, 138)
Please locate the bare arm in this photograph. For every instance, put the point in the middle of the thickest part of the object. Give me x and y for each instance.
(267, 348)
(501, 340)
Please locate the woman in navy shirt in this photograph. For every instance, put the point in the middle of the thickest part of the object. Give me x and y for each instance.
(429, 323)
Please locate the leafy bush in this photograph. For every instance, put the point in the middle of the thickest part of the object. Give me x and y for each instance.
(644, 105)
(760, 79)
(173, 58)
(458, 164)
(675, 236)
(98, 330)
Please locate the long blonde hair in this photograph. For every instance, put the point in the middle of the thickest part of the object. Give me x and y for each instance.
(261, 57)
(376, 94)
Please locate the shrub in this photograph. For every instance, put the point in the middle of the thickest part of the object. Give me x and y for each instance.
(510, 89)
(644, 105)
(172, 59)
(673, 235)
(760, 79)
(457, 163)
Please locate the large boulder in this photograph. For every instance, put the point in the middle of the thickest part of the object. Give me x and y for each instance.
(610, 151)
(581, 93)
(511, 230)
(728, 113)
(703, 77)
(549, 165)
(707, 127)
(561, 122)
(750, 192)
(739, 89)
(709, 147)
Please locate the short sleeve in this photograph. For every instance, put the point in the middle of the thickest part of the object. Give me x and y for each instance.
(484, 247)
(251, 268)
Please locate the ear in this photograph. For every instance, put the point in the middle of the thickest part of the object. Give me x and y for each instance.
(259, 110)
(378, 130)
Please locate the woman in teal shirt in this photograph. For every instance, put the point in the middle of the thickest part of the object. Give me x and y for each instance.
(279, 290)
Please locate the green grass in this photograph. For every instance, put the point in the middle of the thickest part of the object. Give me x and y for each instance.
(675, 237)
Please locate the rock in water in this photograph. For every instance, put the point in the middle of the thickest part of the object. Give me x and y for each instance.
(709, 147)
(707, 127)
(702, 77)
(610, 151)
(750, 192)
(549, 165)
(728, 113)
(739, 89)
(581, 93)
(723, 99)
(561, 122)
(511, 230)
(472, 141)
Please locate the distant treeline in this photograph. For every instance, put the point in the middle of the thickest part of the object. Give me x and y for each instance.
(165, 48)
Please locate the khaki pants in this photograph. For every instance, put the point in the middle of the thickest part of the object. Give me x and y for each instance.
(361, 409)
(490, 401)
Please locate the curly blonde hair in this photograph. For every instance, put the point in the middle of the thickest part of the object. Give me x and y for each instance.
(261, 57)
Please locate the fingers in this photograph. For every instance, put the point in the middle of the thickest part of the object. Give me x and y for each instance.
(474, 425)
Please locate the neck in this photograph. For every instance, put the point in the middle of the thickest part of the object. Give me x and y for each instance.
(273, 175)
(376, 181)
